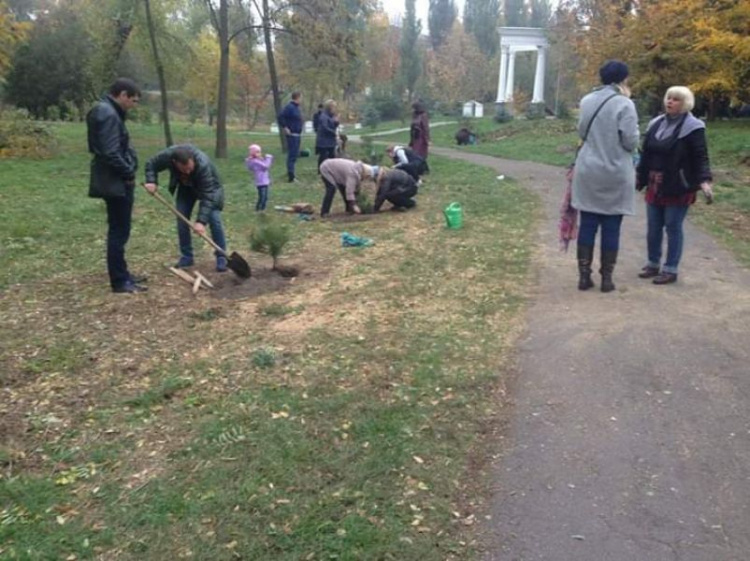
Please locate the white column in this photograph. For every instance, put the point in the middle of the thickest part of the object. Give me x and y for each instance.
(511, 77)
(541, 63)
(502, 79)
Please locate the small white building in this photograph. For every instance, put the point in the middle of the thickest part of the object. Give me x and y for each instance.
(309, 127)
(274, 128)
(473, 109)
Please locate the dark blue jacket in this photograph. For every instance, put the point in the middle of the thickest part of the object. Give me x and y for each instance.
(114, 162)
(291, 118)
(327, 126)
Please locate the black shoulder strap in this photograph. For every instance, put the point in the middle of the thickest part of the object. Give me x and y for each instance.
(588, 128)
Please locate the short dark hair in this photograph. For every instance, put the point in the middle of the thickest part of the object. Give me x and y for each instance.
(296, 95)
(124, 85)
(182, 155)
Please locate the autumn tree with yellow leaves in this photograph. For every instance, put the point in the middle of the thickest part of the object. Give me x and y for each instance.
(12, 33)
(703, 44)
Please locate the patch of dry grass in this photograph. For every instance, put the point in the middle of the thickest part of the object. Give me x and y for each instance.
(146, 427)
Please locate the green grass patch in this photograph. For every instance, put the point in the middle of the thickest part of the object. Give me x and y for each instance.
(165, 391)
(339, 419)
(554, 141)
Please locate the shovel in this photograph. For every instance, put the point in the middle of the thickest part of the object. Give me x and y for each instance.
(235, 261)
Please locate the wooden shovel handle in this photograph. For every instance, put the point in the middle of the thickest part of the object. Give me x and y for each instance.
(182, 217)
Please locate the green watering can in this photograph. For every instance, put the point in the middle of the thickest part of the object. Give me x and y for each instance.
(454, 216)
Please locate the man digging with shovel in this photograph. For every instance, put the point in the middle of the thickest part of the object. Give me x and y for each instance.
(194, 178)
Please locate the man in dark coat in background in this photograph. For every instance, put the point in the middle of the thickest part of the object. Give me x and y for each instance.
(316, 117)
(113, 168)
(326, 138)
(291, 122)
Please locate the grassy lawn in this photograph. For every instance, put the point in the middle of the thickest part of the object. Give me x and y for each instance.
(347, 415)
(553, 142)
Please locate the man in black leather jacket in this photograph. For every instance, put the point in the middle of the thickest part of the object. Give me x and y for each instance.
(113, 168)
(193, 176)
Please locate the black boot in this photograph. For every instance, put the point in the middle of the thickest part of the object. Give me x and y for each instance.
(585, 257)
(609, 258)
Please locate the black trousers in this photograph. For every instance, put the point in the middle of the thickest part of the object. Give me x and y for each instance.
(119, 218)
(324, 154)
(325, 208)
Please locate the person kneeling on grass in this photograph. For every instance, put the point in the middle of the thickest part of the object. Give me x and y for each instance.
(408, 160)
(397, 187)
(346, 176)
(194, 177)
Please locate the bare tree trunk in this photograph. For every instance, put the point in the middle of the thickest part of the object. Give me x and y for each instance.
(223, 101)
(272, 69)
(160, 74)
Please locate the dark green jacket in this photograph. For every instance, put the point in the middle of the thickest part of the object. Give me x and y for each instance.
(205, 183)
(114, 161)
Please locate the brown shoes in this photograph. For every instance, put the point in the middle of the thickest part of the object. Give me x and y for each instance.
(649, 272)
(665, 278)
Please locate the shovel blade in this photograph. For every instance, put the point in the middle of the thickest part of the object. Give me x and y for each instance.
(238, 265)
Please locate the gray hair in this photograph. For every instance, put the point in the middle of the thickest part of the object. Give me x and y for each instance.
(683, 94)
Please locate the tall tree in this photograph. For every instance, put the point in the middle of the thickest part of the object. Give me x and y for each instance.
(43, 75)
(220, 19)
(539, 13)
(271, 60)
(481, 19)
(516, 13)
(160, 74)
(459, 71)
(411, 58)
(440, 18)
(12, 32)
(109, 25)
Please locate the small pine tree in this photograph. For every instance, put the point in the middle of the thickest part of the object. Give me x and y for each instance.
(270, 237)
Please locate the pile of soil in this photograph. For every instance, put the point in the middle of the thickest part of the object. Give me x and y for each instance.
(262, 281)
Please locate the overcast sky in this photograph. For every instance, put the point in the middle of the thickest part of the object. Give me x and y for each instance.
(395, 9)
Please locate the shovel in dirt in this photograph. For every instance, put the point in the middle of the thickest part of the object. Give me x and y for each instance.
(235, 261)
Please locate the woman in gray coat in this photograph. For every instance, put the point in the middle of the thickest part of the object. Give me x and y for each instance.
(604, 178)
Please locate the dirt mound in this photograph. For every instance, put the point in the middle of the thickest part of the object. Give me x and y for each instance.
(262, 281)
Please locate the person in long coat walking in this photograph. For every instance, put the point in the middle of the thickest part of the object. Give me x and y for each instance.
(603, 188)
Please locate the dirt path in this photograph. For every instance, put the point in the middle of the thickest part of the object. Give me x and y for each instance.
(630, 436)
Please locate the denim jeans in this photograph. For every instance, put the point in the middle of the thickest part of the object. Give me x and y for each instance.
(670, 218)
(185, 203)
(262, 197)
(119, 218)
(610, 225)
(292, 145)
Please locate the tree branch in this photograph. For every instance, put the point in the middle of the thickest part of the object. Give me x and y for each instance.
(212, 13)
(247, 28)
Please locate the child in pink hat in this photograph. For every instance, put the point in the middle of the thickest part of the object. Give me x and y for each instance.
(259, 165)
